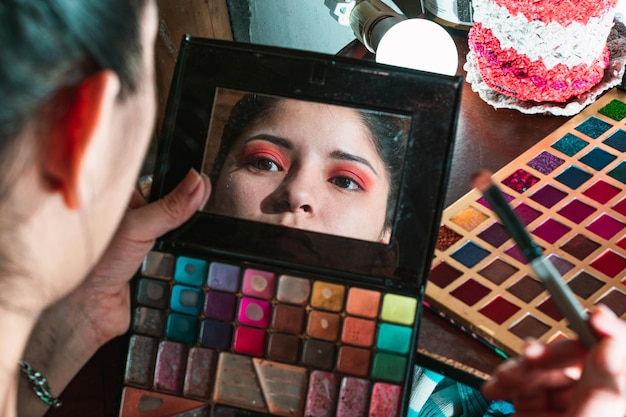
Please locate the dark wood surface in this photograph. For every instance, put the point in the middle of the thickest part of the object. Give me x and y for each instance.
(486, 138)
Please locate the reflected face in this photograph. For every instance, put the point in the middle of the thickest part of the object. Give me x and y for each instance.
(310, 166)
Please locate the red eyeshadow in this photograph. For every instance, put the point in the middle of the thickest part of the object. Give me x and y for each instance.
(470, 292)
(549, 308)
(551, 230)
(495, 235)
(606, 226)
(610, 263)
(576, 211)
(620, 207)
(526, 213)
(515, 252)
(548, 196)
(616, 301)
(443, 275)
(601, 192)
(622, 243)
(499, 310)
(520, 181)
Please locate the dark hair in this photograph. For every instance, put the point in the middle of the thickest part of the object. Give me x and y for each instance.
(389, 134)
(50, 45)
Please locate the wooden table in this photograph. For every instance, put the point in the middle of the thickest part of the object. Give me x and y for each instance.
(486, 138)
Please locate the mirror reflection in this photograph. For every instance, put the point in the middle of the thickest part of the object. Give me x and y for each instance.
(303, 164)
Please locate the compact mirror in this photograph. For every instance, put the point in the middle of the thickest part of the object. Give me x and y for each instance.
(303, 164)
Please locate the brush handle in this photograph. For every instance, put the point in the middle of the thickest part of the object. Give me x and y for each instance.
(565, 300)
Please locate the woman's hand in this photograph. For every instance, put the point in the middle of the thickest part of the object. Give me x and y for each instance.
(70, 331)
(564, 379)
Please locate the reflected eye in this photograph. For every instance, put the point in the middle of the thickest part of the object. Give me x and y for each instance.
(264, 164)
(346, 183)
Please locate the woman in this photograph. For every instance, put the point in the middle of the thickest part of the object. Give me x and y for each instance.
(309, 165)
(76, 82)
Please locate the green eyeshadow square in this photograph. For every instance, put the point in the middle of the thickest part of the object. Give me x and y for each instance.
(399, 309)
(181, 328)
(615, 109)
(389, 367)
(394, 338)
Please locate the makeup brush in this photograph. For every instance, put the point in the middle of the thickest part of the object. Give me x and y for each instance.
(563, 297)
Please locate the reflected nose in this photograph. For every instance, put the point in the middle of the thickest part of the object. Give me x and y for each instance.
(297, 193)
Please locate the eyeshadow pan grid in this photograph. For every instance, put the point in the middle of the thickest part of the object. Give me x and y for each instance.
(245, 336)
(570, 191)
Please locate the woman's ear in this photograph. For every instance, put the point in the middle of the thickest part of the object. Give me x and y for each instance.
(87, 110)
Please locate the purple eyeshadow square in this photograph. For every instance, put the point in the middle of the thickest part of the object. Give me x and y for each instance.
(520, 181)
(526, 213)
(576, 211)
(561, 265)
(495, 235)
(169, 372)
(483, 201)
(545, 162)
(224, 277)
(220, 305)
(606, 226)
(515, 253)
(548, 196)
(551, 230)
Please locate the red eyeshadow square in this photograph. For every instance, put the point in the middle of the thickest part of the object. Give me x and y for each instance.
(601, 191)
(606, 226)
(520, 181)
(499, 310)
(495, 235)
(549, 308)
(529, 326)
(616, 301)
(551, 230)
(580, 246)
(548, 196)
(515, 252)
(443, 275)
(576, 211)
(526, 213)
(470, 292)
(609, 263)
(622, 243)
(621, 207)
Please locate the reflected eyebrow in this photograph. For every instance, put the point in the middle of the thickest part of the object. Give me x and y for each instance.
(276, 140)
(345, 156)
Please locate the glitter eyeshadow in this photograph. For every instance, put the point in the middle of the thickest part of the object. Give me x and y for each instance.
(495, 235)
(615, 110)
(526, 289)
(609, 263)
(617, 140)
(601, 191)
(520, 181)
(526, 213)
(498, 271)
(470, 254)
(593, 127)
(580, 246)
(545, 162)
(548, 196)
(551, 230)
(529, 327)
(570, 144)
(468, 218)
(499, 310)
(585, 285)
(576, 211)
(446, 238)
(597, 158)
(606, 226)
(443, 274)
(619, 172)
(573, 177)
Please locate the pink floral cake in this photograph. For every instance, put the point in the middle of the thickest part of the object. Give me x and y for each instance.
(541, 50)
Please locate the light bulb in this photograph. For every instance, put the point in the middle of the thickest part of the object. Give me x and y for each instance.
(418, 44)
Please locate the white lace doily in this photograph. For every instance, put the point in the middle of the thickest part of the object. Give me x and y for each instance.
(612, 77)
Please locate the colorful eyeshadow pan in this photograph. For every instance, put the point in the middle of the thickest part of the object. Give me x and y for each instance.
(568, 190)
(282, 333)
(468, 218)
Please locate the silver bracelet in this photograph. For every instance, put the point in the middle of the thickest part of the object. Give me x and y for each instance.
(39, 384)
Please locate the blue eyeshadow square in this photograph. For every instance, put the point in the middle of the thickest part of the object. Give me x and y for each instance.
(190, 271)
(593, 127)
(597, 158)
(188, 300)
(619, 172)
(470, 254)
(181, 328)
(617, 140)
(569, 144)
(573, 177)
(216, 334)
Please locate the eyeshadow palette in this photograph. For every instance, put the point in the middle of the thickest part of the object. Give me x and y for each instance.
(244, 314)
(569, 191)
